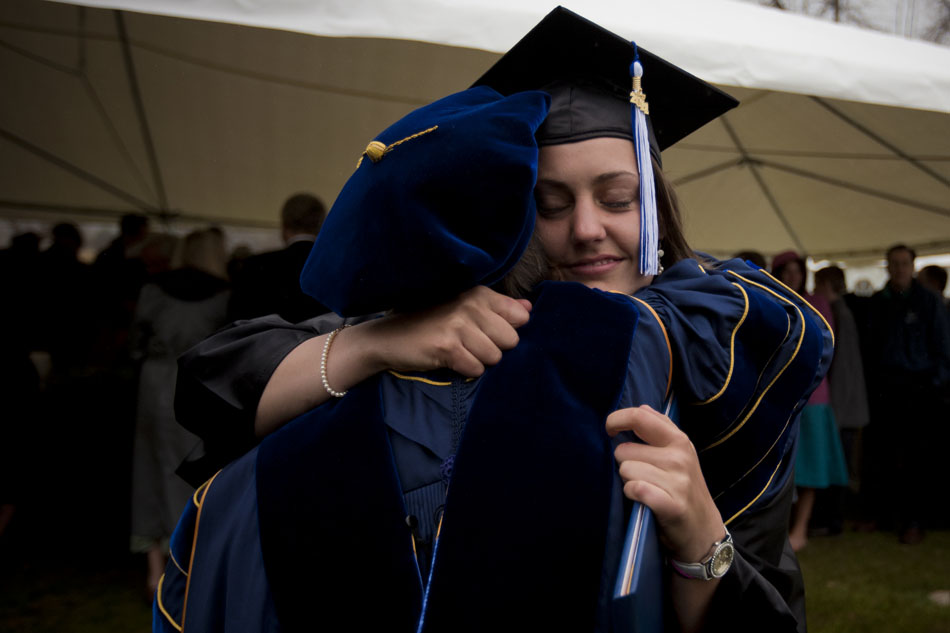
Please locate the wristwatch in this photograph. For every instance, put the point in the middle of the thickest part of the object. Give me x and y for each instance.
(713, 566)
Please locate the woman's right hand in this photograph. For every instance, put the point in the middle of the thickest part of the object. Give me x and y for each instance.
(464, 335)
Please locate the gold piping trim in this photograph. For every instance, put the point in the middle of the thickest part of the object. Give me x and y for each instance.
(758, 379)
(801, 337)
(701, 269)
(171, 555)
(194, 544)
(732, 346)
(390, 147)
(376, 150)
(761, 459)
(748, 505)
(161, 607)
(805, 301)
(419, 379)
(666, 337)
(198, 490)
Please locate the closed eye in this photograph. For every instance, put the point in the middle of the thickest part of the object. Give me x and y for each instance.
(552, 199)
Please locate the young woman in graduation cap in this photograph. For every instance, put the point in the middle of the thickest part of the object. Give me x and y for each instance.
(350, 524)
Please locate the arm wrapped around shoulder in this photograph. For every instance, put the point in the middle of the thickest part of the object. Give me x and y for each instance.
(221, 379)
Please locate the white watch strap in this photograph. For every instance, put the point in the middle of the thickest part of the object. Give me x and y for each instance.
(701, 570)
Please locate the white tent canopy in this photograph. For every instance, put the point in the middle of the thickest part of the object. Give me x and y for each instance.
(841, 145)
(728, 43)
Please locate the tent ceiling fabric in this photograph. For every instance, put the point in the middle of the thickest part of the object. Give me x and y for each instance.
(241, 117)
(729, 43)
(842, 193)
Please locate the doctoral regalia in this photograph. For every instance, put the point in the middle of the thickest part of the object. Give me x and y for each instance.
(525, 517)
(298, 532)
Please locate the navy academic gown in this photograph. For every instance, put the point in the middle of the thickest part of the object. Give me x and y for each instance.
(309, 530)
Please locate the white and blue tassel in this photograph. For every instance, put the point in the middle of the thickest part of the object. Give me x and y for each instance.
(649, 229)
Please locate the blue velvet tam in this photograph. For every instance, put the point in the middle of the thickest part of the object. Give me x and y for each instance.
(441, 201)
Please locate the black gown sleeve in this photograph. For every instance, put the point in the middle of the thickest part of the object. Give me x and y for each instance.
(220, 382)
(764, 589)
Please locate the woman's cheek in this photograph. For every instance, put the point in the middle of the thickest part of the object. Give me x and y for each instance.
(552, 235)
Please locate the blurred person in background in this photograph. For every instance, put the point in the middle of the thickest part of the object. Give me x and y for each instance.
(820, 461)
(908, 349)
(848, 392)
(157, 254)
(19, 381)
(133, 229)
(176, 309)
(754, 257)
(239, 255)
(269, 283)
(934, 279)
(67, 454)
(119, 274)
(19, 267)
(63, 287)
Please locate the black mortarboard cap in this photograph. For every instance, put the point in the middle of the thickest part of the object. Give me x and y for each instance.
(567, 47)
(602, 85)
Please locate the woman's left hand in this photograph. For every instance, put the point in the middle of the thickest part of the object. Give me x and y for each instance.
(664, 474)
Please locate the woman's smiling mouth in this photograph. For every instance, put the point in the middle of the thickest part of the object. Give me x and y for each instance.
(594, 265)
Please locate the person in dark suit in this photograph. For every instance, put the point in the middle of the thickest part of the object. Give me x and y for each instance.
(269, 283)
(909, 367)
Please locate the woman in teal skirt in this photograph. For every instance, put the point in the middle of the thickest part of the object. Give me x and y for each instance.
(819, 462)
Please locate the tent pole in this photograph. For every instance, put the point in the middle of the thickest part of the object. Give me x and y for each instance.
(51, 207)
(753, 166)
(880, 141)
(140, 109)
(75, 171)
(709, 171)
(932, 208)
(96, 102)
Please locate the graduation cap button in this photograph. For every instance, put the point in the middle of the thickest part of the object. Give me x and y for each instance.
(375, 150)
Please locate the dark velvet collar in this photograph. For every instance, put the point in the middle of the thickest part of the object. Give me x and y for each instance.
(527, 508)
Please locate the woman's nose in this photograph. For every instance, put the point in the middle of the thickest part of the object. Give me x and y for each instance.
(586, 222)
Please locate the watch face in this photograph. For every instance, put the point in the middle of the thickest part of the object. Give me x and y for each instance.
(722, 560)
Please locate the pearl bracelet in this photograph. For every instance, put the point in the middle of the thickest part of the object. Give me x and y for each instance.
(323, 363)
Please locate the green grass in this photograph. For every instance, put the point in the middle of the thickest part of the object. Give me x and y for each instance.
(854, 583)
(53, 598)
(870, 582)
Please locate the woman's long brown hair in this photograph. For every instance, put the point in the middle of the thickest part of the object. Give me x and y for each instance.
(672, 240)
